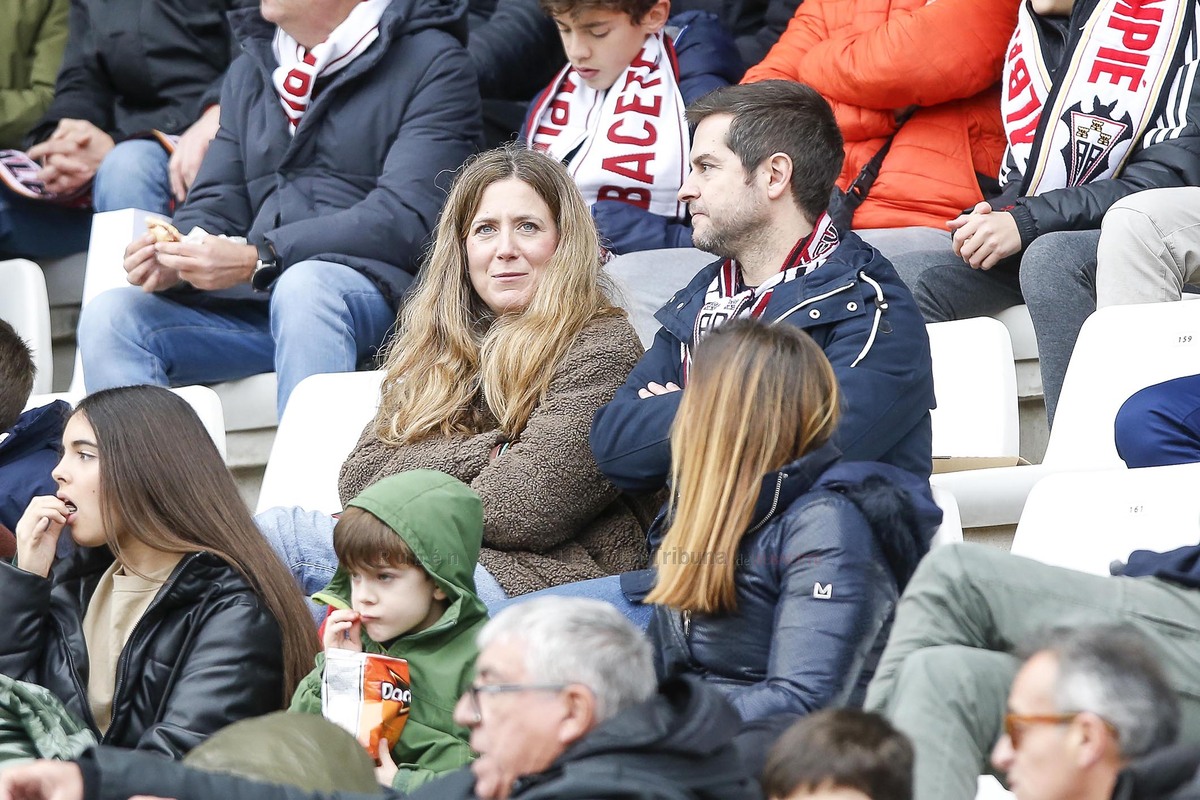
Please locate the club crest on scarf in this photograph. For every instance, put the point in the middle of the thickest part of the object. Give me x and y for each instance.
(724, 300)
(629, 143)
(1118, 61)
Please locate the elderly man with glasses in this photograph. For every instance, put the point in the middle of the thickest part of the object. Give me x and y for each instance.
(564, 705)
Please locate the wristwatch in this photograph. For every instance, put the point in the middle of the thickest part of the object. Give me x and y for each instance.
(266, 269)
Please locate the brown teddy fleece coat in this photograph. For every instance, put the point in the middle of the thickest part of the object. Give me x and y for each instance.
(549, 516)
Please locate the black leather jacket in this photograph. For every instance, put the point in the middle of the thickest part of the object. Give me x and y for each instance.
(829, 550)
(206, 653)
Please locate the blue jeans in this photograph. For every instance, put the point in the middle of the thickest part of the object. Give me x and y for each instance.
(607, 589)
(303, 540)
(132, 175)
(321, 317)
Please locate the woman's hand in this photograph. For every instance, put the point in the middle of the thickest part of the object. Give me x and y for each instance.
(387, 769)
(37, 533)
(343, 631)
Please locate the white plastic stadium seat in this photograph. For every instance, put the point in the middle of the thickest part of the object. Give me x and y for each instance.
(951, 528)
(201, 398)
(23, 305)
(1086, 520)
(1025, 352)
(1120, 350)
(975, 387)
(324, 418)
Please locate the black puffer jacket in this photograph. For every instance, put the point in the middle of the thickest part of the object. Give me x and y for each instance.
(675, 746)
(829, 550)
(205, 654)
(133, 65)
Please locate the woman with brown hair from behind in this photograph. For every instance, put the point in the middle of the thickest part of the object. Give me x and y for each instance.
(173, 617)
(781, 565)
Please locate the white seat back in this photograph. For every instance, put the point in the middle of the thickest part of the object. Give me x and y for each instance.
(203, 400)
(24, 305)
(951, 528)
(976, 389)
(1120, 350)
(324, 418)
(1086, 520)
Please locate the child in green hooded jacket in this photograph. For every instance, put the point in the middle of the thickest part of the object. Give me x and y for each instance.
(404, 587)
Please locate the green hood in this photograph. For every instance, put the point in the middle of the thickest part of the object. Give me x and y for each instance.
(440, 518)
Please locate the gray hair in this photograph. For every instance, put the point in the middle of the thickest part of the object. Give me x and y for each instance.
(1113, 671)
(577, 640)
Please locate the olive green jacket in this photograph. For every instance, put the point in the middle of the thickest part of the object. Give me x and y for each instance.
(33, 35)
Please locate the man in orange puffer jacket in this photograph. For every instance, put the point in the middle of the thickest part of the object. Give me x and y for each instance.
(873, 59)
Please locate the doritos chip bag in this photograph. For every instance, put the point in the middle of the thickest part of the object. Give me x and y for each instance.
(366, 694)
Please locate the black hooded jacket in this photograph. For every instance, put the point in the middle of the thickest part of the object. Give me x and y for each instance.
(678, 745)
(829, 550)
(206, 653)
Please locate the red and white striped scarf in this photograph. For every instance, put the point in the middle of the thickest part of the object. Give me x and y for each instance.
(629, 143)
(298, 69)
(1105, 96)
(726, 300)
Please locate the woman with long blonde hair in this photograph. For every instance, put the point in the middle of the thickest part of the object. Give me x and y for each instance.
(502, 354)
(780, 565)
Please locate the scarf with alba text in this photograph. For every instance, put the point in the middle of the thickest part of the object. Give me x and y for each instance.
(1106, 95)
(726, 299)
(298, 69)
(629, 143)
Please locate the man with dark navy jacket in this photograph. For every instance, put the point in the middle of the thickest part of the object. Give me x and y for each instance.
(341, 123)
(764, 160)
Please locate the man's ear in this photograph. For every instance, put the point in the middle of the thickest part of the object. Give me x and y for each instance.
(654, 19)
(779, 175)
(579, 715)
(1093, 739)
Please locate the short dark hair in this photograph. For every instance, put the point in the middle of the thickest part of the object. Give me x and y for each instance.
(363, 541)
(781, 117)
(636, 9)
(843, 748)
(16, 375)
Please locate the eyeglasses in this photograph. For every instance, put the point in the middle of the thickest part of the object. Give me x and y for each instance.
(474, 691)
(1015, 724)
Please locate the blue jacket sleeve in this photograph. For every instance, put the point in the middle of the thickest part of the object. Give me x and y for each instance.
(835, 596)
(630, 436)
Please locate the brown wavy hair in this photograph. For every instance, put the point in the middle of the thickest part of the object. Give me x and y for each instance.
(163, 483)
(451, 352)
(758, 397)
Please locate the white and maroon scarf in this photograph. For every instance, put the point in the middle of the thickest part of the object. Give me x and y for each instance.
(727, 299)
(629, 143)
(298, 70)
(1104, 100)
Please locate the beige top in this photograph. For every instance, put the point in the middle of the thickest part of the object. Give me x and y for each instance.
(119, 602)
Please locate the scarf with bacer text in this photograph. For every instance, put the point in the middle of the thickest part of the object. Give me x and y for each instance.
(1107, 93)
(629, 143)
(299, 69)
(726, 299)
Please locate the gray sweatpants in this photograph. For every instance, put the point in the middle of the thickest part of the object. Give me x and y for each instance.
(945, 674)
